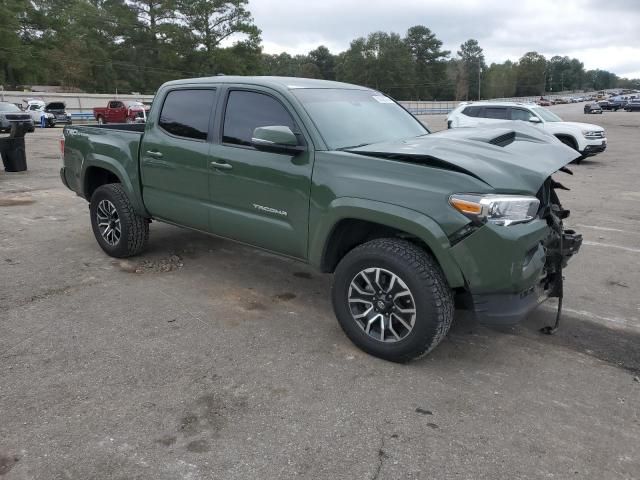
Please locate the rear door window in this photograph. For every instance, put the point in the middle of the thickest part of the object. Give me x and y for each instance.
(187, 113)
(498, 113)
(247, 111)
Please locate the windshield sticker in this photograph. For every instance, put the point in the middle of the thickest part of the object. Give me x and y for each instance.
(381, 99)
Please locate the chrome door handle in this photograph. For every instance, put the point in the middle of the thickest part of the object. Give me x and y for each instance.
(221, 165)
(154, 154)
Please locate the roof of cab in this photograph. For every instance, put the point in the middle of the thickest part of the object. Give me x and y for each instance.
(287, 83)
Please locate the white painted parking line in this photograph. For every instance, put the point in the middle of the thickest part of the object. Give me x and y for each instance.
(610, 245)
(619, 221)
(607, 229)
(627, 323)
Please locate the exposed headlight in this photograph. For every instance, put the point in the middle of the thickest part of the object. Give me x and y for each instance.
(497, 209)
(593, 133)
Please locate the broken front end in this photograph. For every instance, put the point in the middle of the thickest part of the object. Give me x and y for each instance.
(510, 270)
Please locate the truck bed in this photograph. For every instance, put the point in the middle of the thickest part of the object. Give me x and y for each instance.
(114, 147)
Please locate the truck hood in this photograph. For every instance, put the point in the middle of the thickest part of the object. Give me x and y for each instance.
(580, 125)
(513, 157)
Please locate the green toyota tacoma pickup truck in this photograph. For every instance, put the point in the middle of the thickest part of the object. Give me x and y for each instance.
(339, 176)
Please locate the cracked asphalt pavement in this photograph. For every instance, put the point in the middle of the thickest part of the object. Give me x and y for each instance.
(204, 359)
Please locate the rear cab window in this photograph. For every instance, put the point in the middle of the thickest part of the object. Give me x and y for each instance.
(187, 113)
(247, 110)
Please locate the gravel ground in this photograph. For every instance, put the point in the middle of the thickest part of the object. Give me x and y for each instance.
(203, 359)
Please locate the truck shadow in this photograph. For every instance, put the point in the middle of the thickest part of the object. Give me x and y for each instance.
(615, 346)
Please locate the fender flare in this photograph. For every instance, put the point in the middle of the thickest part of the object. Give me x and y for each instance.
(390, 215)
(119, 171)
(570, 137)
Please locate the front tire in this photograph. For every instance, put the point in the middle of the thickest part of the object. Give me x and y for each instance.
(120, 232)
(392, 300)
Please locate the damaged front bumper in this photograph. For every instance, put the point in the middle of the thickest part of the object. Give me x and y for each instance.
(509, 271)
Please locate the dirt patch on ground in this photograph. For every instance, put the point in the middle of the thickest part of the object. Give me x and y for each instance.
(13, 200)
(7, 462)
(161, 265)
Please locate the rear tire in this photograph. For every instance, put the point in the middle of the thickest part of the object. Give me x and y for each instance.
(419, 296)
(120, 232)
(101, 120)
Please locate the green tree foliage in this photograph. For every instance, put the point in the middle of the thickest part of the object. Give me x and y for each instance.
(500, 80)
(136, 45)
(429, 63)
(381, 61)
(209, 23)
(12, 61)
(601, 79)
(469, 71)
(564, 73)
(532, 72)
(325, 61)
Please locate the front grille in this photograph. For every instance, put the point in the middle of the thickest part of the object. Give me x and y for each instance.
(17, 116)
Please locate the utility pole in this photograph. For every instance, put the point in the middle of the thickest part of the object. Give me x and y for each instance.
(479, 70)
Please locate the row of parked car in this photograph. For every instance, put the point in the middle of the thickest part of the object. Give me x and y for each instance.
(36, 112)
(547, 102)
(632, 105)
(54, 113)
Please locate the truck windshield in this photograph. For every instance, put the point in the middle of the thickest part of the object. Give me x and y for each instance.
(349, 118)
(546, 115)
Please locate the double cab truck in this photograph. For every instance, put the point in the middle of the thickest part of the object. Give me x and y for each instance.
(121, 111)
(343, 178)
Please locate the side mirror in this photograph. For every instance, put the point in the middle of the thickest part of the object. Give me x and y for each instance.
(275, 138)
(534, 119)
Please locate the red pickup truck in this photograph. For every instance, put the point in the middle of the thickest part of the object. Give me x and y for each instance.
(121, 111)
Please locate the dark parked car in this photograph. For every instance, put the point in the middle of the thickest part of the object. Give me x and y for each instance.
(59, 111)
(613, 105)
(10, 112)
(633, 106)
(592, 108)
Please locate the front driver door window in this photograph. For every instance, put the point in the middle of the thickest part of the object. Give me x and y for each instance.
(259, 197)
(521, 114)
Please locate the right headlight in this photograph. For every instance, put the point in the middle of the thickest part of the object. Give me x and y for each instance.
(497, 209)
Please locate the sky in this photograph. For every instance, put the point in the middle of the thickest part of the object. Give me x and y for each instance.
(601, 34)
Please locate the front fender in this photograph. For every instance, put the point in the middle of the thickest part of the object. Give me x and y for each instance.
(400, 218)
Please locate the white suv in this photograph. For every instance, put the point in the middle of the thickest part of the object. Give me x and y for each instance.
(586, 138)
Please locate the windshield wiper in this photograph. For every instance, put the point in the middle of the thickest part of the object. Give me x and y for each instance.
(353, 146)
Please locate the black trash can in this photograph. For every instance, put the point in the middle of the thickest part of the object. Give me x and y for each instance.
(12, 149)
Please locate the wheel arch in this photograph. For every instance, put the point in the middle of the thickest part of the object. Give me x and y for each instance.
(353, 221)
(570, 138)
(100, 171)
(96, 176)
